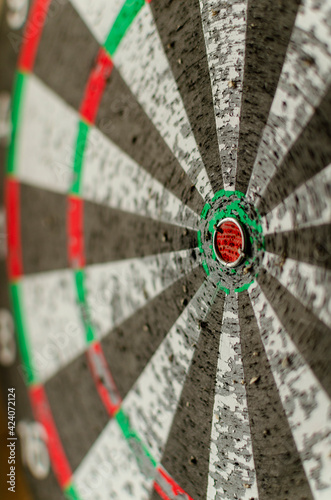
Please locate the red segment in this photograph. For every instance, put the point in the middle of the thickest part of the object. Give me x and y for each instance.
(229, 241)
(43, 415)
(96, 86)
(76, 232)
(14, 259)
(32, 34)
(176, 490)
(103, 379)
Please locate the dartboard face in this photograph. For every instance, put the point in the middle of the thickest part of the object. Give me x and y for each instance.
(166, 267)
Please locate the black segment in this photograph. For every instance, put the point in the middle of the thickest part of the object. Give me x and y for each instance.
(155, 496)
(43, 229)
(186, 456)
(109, 234)
(77, 409)
(180, 29)
(279, 470)
(112, 235)
(123, 120)
(269, 27)
(66, 54)
(309, 334)
(309, 155)
(312, 245)
(10, 43)
(129, 347)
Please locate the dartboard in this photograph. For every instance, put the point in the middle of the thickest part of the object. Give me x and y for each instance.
(167, 193)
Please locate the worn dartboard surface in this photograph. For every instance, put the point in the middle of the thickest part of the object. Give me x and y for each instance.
(157, 369)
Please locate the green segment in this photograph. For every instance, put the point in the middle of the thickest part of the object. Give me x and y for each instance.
(131, 436)
(234, 209)
(200, 242)
(125, 17)
(81, 295)
(244, 287)
(205, 211)
(83, 130)
(29, 372)
(15, 116)
(71, 493)
(222, 193)
(221, 287)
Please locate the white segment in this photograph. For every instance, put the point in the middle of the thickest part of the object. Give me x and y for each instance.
(305, 77)
(48, 135)
(110, 470)
(54, 327)
(118, 289)
(46, 138)
(152, 402)
(309, 205)
(112, 178)
(224, 26)
(311, 285)
(230, 436)
(306, 404)
(98, 15)
(114, 292)
(143, 64)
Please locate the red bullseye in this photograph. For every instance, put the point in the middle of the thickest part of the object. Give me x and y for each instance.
(229, 242)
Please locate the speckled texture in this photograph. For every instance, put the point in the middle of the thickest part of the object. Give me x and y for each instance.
(136, 303)
(80, 417)
(123, 120)
(297, 245)
(276, 457)
(151, 404)
(310, 335)
(186, 455)
(145, 69)
(224, 25)
(232, 470)
(268, 30)
(47, 137)
(116, 235)
(179, 26)
(308, 156)
(308, 207)
(306, 405)
(137, 338)
(304, 80)
(112, 178)
(310, 284)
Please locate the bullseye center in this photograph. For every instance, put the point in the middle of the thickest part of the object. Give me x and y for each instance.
(229, 242)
